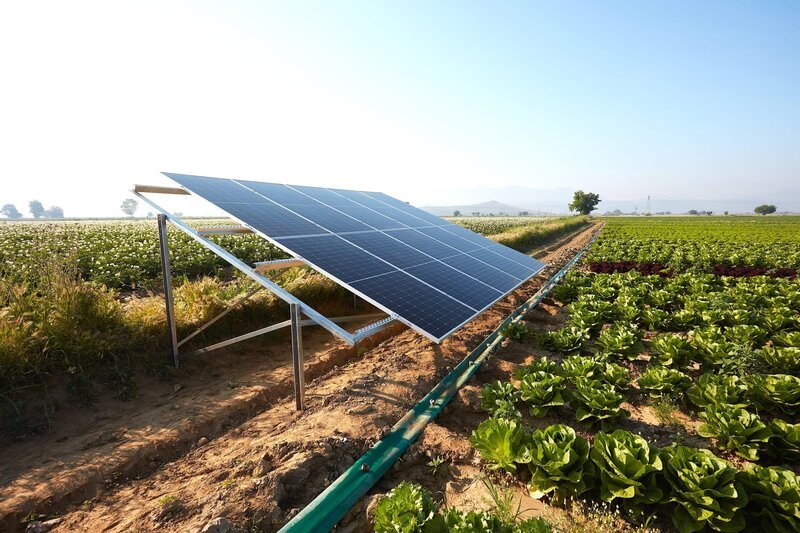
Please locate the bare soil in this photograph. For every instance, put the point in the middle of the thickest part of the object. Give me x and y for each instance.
(223, 439)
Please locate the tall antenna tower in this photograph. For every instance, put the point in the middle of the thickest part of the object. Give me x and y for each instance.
(648, 204)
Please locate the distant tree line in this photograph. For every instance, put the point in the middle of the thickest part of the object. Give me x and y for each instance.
(36, 209)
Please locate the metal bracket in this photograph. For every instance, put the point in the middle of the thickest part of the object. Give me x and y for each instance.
(266, 266)
(366, 331)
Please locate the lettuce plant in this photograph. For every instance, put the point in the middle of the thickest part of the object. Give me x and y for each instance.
(457, 521)
(746, 335)
(587, 319)
(774, 494)
(629, 469)
(713, 348)
(786, 338)
(620, 340)
(578, 366)
(780, 391)
(502, 443)
(712, 388)
(499, 399)
(705, 493)
(661, 381)
(541, 391)
(559, 462)
(566, 340)
(614, 374)
(778, 318)
(407, 508)
(735, 429)
(656, 319)
(784, 445)
(672, 349)
(596, 402)
(542, 364)
(783, 359)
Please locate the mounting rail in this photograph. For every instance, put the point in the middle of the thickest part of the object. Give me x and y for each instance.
(297, 308)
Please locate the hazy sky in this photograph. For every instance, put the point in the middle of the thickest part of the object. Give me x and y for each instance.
(674, 99)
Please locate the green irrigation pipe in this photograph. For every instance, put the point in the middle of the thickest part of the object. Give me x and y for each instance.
(325, 511)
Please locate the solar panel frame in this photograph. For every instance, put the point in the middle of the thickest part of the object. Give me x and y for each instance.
(375, 203)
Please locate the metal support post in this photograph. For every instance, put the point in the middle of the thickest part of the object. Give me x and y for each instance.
(170, 304)
(297, 357)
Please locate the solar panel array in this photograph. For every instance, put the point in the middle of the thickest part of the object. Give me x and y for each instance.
(433, 275)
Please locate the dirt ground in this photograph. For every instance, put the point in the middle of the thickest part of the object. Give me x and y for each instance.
(223, 438)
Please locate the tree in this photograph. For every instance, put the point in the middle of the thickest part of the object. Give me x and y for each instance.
(523, 213)
(584, 202)
(10, 210)
(129, 206)
(36, 208)
(726, 213)
(456, 213)
(54, 212)
(765, 209)
(693, 211)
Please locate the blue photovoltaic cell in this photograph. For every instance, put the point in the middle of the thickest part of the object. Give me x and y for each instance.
(487, 274)
(513, 255)
(388, 249)
(272, 220)
(337, 257)
(441, 235)
(370, 217)
(423, 243)
(463, 288)
(328, 218)
(500, 262)
(431, 274)
(419, 304)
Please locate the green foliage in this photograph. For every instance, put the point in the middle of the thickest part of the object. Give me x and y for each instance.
(407, 508)
(620, 340)
(542, 364)
(705, 493)
(711, 388)
(559, 462)
(517, 331)
(765, 209)
(614, 374)
(502, 443)
(746, 335)
(584, 202)
(672, 349)
(663, 381)
(629, 469)
(784, 445)
(735, 429)
(713, 348)
(596, 402)
(787, 338)
(499, 399)
(776, 391)
(541, 391)
(774, 498)
(578, 366)
(566, 340)
(781, 360)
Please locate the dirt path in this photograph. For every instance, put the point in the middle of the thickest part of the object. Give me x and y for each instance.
(240, 452)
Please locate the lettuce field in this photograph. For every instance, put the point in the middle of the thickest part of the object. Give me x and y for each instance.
(669, 394)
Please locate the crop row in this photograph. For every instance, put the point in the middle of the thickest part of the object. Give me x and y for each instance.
(701, 244)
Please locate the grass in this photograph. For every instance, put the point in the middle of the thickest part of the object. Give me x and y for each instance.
(526, 238)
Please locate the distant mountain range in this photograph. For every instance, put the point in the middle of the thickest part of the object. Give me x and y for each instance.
(512, 200)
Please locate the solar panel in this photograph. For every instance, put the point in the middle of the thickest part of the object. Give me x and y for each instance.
(433, 275)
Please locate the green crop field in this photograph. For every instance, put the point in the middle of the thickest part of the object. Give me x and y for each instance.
(672, 395)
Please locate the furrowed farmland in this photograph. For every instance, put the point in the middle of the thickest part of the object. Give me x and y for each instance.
(654, 387)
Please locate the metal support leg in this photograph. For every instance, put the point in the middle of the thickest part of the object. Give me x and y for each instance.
(170, 304)
(297, 357)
